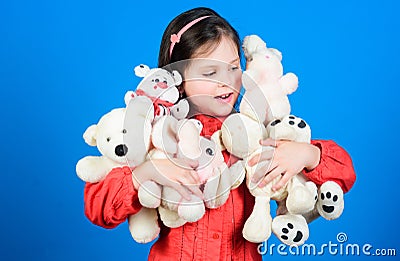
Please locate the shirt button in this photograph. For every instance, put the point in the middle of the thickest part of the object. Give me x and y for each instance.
(215, 236)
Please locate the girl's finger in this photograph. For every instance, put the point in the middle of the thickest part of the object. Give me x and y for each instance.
(195, 190)
(186, 179)
(265, 155)
(262, 169)
(192, 163)
(268, 142)
(271, 176)
(254, 160)
(259, 173)
(284, 180)
(181, 190)
(195, 177)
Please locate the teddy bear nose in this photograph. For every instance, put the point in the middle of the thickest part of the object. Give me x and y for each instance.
(121, 150)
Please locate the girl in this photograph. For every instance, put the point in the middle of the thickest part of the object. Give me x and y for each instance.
(202, 33)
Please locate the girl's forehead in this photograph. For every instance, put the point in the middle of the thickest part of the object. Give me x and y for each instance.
(225, 51)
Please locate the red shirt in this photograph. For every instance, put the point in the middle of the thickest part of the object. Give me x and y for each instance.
(218, 234)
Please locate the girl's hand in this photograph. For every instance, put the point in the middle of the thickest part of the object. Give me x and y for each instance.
(286, 160)
(176, 173)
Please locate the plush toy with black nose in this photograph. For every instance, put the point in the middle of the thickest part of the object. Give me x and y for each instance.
(113, 137)
(123, 138)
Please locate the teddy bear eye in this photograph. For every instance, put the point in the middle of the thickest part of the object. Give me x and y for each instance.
(210, 152)
(108, 139)
(124, 131)
(156, 80)
(165, 82)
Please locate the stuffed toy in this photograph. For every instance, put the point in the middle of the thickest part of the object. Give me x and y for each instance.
(112, 135)
(289, 228)
(265, 99)
(159, 86)
(116, 137)
(264, 77)
(174, 138)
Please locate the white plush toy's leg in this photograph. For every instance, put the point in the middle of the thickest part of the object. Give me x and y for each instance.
(144, 225)
(299, 200)
(170, 218)
(258, 226)
(224, 186)
(290, 229)
(330, 202)
(191, 210)
(149, 194)
(238, 173)
(210, 192)
(216, 190)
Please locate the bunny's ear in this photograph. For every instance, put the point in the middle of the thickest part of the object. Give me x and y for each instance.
(177, 77)
(276, 52)
(90, 135)
(141, 70)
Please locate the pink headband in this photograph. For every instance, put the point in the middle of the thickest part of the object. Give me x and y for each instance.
(175, 38)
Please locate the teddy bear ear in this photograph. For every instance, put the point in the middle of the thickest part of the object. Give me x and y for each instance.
(276, 52)
(90, 135)
(177, 77)
(141, 70)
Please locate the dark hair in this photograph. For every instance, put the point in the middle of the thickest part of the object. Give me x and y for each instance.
(207, 32)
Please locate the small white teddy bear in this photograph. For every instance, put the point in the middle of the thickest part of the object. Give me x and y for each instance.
(123, 138)
(159, 86)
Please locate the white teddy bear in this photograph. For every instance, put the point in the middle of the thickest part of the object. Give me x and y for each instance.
(123, 138)
(265, 100)
(159, 86)
(292, 229)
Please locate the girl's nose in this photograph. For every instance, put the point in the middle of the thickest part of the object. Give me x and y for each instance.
(226, 79)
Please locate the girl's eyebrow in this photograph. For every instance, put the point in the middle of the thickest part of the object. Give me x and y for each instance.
(235, 60)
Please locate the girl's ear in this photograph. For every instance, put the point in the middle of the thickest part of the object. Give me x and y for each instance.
(177, 77)
(90, 135)
(141, 70)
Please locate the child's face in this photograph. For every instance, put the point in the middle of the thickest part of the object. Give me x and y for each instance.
(212, 82)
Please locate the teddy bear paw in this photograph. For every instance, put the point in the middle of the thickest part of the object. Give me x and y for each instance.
(290, 229)
(193, 210)
(330, 202)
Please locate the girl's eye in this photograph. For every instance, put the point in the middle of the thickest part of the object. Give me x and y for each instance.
(234, 68)
(209, 74)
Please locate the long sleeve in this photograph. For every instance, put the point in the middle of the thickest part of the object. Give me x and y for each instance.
(335, 165)
(109, 202)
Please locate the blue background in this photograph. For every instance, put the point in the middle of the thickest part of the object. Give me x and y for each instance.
(63, 64)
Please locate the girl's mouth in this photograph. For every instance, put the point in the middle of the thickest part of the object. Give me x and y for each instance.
(226, 98)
